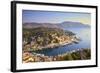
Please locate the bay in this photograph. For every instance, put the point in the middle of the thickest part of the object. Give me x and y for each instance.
(83, 33)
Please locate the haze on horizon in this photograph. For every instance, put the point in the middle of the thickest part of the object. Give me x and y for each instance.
(29, 16)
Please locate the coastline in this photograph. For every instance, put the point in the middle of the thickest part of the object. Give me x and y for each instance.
(79, 54)
(70, 40)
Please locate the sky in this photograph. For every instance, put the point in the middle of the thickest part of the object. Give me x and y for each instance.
(54, 17)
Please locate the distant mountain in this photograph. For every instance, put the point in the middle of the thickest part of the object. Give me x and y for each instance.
(63, 25)
(36, 25)
(68, 24)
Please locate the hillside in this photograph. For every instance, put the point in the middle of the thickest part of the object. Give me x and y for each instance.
(43, 38)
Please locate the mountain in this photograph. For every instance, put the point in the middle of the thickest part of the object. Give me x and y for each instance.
(63, 25)
(68, 24)
(36, 25)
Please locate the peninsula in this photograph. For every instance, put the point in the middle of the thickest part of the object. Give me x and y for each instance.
(47, 38)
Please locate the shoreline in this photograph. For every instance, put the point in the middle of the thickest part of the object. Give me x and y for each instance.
(36, 57)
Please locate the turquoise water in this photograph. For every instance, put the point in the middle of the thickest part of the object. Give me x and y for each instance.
(83, 33)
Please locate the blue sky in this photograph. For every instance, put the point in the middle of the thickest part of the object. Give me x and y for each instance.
(55, 17)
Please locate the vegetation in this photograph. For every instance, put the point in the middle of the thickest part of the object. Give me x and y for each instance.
(78, 55)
